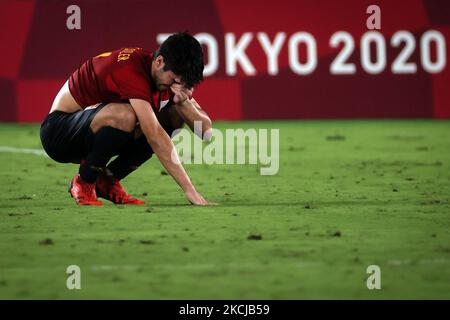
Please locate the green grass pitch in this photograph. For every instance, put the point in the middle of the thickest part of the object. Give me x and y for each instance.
(348, 194)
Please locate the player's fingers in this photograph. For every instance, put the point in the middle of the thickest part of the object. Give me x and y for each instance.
(202, 201)
(182, 88)
(188, 91)
(179, 97)
(174, 90)
(183, 96)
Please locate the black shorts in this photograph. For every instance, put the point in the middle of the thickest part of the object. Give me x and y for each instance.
(67, 137)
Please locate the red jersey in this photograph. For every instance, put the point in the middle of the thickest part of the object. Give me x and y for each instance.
(116, 77)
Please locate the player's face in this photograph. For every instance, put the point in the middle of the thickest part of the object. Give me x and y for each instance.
(164, 79)
(167, 79)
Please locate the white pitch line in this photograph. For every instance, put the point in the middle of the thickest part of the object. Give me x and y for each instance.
(37, 152)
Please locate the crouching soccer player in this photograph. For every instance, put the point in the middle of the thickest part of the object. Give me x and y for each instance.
(126, 103)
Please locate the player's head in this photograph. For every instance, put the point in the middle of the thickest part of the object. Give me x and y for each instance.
(182, 56)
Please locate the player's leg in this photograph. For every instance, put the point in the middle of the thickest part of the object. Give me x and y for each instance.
(111, 132)
(130, 158)
(139, 151)
(108, 184)
(65, 138)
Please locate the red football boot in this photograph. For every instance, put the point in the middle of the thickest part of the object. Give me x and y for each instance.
(83, 192)
(110, 188)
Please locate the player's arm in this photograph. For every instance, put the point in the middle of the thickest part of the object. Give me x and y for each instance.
(164, 149)
(191, 111)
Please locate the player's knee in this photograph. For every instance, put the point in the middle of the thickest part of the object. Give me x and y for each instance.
(128, 119)
(116, 115)
(123, 117)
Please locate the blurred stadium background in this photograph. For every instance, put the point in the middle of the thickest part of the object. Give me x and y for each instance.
(39, 52)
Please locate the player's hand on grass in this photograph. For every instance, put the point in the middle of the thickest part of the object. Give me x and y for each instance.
(196, 198)
(181, 93)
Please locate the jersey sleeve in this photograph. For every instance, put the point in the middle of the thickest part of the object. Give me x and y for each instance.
(131, 81)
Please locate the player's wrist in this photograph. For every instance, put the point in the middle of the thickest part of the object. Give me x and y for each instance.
(190, 189)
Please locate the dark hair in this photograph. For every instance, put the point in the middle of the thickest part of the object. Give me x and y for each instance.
(183, 55)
